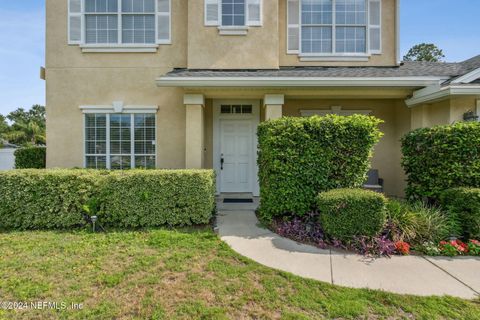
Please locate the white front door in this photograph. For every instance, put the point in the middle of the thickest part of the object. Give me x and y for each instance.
(236, 148)
(235, 125)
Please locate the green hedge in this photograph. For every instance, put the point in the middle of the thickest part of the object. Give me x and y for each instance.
(56, 199)
(440, 158)
(30, 158)
(300, 157)
(464, 204)
(347, 213)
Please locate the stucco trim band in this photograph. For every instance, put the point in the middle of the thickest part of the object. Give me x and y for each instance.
(118, 108)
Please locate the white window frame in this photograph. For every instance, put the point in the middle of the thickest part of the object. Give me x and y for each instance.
(118, 108)
(334, 56)
(334, 35)
(232, 30)
(119, 46)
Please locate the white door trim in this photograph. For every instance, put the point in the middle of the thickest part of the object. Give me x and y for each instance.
(255, 118)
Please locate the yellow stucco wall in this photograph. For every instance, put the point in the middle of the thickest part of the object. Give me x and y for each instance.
(443, 112)
(207, 49)
(90, 87)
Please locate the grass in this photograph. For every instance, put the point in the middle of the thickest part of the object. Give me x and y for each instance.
(162, 274)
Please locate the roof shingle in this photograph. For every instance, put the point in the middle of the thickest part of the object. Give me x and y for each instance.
(406, 69)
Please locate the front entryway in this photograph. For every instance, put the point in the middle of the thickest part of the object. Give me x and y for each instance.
(235, 145)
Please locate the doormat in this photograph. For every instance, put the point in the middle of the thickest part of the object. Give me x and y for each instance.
(237, 200)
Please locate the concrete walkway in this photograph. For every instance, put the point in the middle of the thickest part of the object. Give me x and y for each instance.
(460, 277)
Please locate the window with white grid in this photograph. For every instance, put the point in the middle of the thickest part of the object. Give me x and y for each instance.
(138, 21)
(351, 26)
(233, 12)
(101, 21)
(120, 141)
(333, 26)
(120, 21)
(144, 141)
(96, 141)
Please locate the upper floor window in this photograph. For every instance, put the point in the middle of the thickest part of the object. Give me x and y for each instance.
(119, 22)
(334, 27)
(233, 13)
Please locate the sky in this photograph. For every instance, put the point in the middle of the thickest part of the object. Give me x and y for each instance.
(450, 24)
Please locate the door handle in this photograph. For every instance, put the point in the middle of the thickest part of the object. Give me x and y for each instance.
(221, 162)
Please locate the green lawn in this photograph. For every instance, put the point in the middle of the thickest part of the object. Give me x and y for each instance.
(182, 275)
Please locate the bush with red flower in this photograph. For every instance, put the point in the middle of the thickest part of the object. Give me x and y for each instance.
(453, 248)
(402, 247)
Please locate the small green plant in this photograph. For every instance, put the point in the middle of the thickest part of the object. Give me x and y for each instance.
(430, 249)
(419, 223)
(349, 213)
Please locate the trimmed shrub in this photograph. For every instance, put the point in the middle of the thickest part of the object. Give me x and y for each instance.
(419, 224)
(300, 157)
(137, 199)
(57, 199)
(464, 204)
(440, 158)
(349, 213)
(31, 158)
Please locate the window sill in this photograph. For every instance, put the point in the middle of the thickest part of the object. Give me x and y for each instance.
(233, 31)
(137, 48)
(332, 58)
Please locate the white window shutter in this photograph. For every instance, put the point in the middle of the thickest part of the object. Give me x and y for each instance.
(212, 12)
(375, 26)
(75, 29)
(293, 26)
(164, 23)
(254, 13)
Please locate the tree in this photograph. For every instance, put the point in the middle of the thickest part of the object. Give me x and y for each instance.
(3, 124)
(424, 52)
(28, 127)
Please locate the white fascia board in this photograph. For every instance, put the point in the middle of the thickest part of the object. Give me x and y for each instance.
(408, 82)
(469, 77)
(442, 93)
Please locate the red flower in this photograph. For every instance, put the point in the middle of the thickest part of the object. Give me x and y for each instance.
(402, 247)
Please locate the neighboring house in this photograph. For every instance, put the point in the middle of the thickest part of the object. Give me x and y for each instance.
(7, 156)
(184, 83)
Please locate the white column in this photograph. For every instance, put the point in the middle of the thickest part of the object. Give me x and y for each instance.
(273, 104)
(194, 143)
